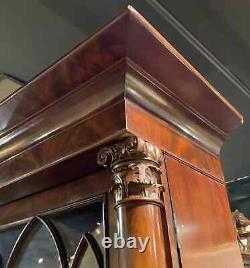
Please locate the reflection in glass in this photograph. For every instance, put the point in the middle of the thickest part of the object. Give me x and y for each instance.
(79, 231)
(88, 259)
(73, 224)
(38, 250)
(7, 241)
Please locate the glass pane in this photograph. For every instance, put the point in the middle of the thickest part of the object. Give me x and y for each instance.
(74, 223)
(88, 259)
(7, 241)
(38, 250)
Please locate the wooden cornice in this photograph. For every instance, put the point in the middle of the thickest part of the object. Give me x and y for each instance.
(127, 36)
(85, 100)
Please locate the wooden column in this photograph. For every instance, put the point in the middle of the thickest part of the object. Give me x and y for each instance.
(137, 188)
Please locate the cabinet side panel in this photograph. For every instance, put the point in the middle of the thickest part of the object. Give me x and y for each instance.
(161, 134)
(205, 231)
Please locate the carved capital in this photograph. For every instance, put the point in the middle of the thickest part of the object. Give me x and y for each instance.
(135, 164)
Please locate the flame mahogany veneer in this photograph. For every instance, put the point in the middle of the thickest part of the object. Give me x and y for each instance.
(124, 80)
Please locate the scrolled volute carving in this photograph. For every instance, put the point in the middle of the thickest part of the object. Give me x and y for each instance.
(130, 147)
(135, 164)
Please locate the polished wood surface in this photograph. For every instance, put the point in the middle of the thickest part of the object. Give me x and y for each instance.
(147, 126)
(81, 105)
(169, 223)
(204, 225)
(146, 92)
(74, 101)
(84, 188)
(142, 220)
(127, 36)
(87, 122)
(42, 166)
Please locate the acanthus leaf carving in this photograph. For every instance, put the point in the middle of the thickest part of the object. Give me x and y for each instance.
(135, 164)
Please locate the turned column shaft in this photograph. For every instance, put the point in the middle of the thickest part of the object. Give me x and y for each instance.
(141, 220)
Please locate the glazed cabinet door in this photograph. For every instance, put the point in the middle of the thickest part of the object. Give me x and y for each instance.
(61, 227)
(67, 238)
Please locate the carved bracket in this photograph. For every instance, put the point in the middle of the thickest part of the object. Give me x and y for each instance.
(242, 225)
(135, 164)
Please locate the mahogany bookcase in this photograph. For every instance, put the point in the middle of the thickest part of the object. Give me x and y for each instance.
(121, 135)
